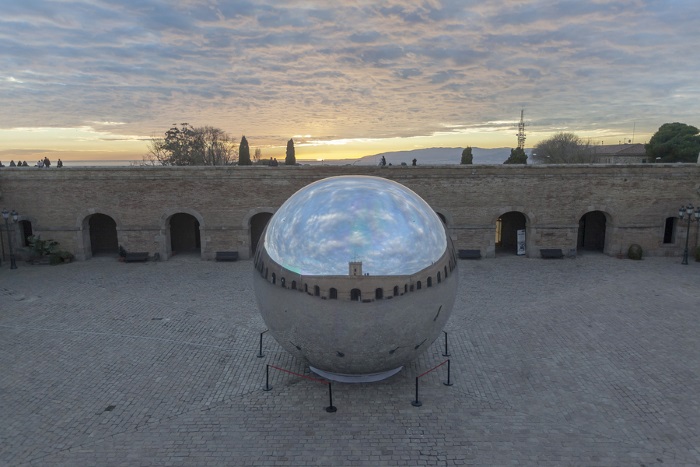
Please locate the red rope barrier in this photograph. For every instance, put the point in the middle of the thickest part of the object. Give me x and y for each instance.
(434, 368)
(323, 381)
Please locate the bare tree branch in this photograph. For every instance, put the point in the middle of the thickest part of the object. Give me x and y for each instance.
(563, 148)
(186, 145)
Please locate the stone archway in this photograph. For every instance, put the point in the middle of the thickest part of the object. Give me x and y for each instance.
(592, 228)
(507, 226)
(185, 234)
(257, 226)
(102, 235)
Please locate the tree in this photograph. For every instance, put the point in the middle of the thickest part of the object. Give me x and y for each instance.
(217, 146)
(244, 152)
(674, 142)
(467, 157)
(186, 145)
(176, 147)
(290, 159)
(563, 148)
(258, 155)
(517, 156)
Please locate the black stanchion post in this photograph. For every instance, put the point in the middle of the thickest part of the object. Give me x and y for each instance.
(416, 403)
(331, 408)
(446, 354)
(448, 383)
(267, 378)
(260, 354)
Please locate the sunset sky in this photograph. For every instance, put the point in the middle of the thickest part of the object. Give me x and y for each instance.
(96, 79)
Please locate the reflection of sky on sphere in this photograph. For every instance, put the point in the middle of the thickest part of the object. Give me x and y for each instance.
(329, 223)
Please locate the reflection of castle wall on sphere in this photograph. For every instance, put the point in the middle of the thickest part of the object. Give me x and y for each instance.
(355, 275)
(391, 321)
(362, 288)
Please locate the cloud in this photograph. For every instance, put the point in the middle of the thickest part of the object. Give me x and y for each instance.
(14, 152)
(347, 70)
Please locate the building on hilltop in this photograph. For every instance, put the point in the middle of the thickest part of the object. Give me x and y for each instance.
(632, 153)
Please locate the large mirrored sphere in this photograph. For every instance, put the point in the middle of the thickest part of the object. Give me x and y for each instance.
(356, 276)
(337, 220)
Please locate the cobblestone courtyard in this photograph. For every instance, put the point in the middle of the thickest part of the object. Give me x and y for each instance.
(587, 361)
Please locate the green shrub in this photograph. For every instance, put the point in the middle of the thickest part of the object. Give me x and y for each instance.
(41, 247)
(634, 252)
(697, 253)
(55, 259)
(66, 256)
(60, 256)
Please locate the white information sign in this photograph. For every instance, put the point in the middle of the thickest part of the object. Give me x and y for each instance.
(521, 242)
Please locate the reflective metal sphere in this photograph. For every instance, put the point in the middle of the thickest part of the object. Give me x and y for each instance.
(356, 276)
(331, 222)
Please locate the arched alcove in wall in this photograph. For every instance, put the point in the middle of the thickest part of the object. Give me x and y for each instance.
(592, 228)
(184, 234)
(507, 226)
(102, 235)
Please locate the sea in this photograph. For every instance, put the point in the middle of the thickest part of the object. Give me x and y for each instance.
(99, 163)
(138, 163)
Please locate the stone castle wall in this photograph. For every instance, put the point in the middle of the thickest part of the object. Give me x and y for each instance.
(635, 199)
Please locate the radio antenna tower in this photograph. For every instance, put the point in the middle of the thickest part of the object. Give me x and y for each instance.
(521, 130)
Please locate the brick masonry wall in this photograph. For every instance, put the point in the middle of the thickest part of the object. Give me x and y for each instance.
(635, 198)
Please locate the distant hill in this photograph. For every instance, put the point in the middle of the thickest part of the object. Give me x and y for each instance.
(438, 156)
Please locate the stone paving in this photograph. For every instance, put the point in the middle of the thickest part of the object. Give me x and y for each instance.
(587, 361)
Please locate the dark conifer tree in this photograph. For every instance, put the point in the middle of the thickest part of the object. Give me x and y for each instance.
(467, 157)
(291, 158)
(517, 156)
(244, 152)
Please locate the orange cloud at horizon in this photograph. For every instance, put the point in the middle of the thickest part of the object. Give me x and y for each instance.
(87, 143)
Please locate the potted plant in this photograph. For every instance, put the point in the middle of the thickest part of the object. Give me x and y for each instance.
(60, 256)
(634, 252)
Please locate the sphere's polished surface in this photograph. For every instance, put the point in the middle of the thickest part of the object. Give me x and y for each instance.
(331, 222)
(355, 276)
